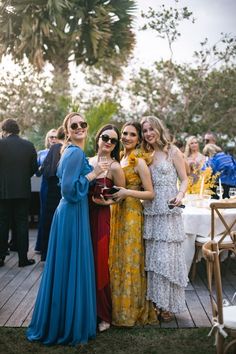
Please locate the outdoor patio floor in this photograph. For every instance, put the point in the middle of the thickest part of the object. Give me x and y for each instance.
(18, 289)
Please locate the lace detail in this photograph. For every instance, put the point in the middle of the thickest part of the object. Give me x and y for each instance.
(164, 235)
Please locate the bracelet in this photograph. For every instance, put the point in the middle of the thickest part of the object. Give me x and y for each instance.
(90, 176)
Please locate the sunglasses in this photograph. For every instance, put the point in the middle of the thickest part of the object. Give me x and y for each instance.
(52, 137)
(75, 126)
(207, 141)
(106, 138)
(172, 206)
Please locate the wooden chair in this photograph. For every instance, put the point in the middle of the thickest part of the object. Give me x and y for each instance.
(227, 238)
(223, 318)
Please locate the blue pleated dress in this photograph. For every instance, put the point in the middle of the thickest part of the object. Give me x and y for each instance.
(65, 308)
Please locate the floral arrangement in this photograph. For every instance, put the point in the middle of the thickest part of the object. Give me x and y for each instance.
(203, 184)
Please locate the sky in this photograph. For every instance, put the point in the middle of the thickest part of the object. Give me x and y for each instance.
(212, 18)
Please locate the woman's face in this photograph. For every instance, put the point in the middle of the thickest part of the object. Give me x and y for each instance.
(77, 128)
(149, 134)
(52, 138)
(107, 141)
(193, 145)
(129, 137)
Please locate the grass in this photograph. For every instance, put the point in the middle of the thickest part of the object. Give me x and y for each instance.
(148, 340)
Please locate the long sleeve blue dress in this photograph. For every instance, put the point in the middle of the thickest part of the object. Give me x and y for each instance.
(65, 308)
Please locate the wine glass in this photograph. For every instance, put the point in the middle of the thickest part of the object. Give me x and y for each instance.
(104, 159)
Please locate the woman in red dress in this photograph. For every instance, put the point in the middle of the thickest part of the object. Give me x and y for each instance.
(107, 149)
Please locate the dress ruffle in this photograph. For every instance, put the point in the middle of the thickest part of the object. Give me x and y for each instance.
(166, 295)
(167, 228)
(164, 241)
(158, 256)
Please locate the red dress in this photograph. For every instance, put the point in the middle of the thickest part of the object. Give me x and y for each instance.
(100, 232)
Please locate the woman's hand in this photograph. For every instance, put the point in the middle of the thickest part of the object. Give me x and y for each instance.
(100, 167)
(122, 194)
(177, 200)
(102, 201)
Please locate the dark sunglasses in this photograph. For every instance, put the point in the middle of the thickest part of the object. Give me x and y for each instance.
(207, 141)
(172, 206)
(52, 137)
(106, 138)
(75, 126)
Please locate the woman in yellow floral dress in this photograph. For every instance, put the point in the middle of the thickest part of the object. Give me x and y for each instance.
(126, 255)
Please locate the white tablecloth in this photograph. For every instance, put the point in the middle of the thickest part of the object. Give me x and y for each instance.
(197, 221)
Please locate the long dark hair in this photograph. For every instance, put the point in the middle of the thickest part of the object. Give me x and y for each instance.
(137, 126)
(116, 151)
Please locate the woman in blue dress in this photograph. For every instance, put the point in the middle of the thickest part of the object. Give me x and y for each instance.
(65, 309)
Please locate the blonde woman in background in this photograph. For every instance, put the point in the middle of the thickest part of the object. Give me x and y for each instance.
(194, 158)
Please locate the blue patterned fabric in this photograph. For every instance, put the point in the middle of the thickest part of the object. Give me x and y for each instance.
(65, 308)
(225, 165)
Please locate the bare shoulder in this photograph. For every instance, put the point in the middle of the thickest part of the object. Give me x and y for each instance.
(175, 152)
(141, 163)
(115, 166)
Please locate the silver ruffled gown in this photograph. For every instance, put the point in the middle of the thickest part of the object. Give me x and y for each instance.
(164, 239)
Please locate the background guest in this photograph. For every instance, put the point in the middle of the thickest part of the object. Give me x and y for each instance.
(50, 139)
(18, 162)
(194, 158)
(53, 195)
(221, 163)
(128, 277)
(210, 138)
(163, 226)
(107, 147)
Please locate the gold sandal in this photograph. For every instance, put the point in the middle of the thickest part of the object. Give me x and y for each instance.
(166, 316)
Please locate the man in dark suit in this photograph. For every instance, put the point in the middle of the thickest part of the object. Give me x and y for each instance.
(18, 162)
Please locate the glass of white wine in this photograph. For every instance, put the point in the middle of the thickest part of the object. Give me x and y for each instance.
(104, 159)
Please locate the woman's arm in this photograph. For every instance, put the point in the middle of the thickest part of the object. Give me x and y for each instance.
(117, 174)
(145, 176)
(179, 164)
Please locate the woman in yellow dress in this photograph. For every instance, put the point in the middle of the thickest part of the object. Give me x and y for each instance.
(126, 255)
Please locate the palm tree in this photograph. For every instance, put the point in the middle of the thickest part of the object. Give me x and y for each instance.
(60, 31)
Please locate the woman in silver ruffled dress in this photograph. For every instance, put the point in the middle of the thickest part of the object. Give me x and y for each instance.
(163, 227)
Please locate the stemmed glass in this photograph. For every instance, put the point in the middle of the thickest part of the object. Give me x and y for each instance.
(104, 159)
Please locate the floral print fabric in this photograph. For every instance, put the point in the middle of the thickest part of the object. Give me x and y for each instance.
(126, 258)
(164, 239)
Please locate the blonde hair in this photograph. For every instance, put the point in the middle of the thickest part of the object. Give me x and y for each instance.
(46, 141)
(211, 149)
(65, 127)
(187, 151)
(164, 140)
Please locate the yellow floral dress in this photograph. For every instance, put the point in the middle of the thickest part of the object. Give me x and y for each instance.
(126, 257)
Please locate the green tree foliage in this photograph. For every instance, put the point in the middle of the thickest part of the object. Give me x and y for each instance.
(97, 116)
(60, 31)
(165, 22)
(33, 100)
(190, 98)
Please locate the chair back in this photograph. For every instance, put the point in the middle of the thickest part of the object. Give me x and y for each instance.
(224, 318)
(217, 210)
